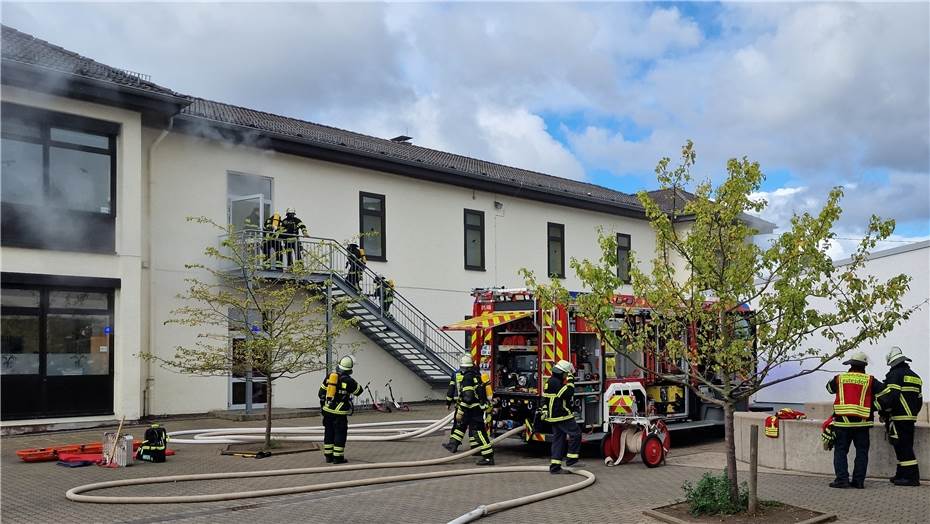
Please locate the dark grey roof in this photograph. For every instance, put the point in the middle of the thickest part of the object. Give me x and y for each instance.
(311, 132)
(669, 198)
(27, 49)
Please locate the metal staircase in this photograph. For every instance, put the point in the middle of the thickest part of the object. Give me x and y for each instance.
(403, 331)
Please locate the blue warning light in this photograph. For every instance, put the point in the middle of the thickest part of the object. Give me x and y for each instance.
(107, 330)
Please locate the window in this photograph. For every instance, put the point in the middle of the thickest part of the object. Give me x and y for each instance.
(556, 234)
(61, 168)
(623, 258)
(249, 200)
(371, 226)
(474, 240)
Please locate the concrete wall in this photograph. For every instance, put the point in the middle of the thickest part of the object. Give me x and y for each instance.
(798, 447)
(125, 264)
(424, 232)
(913, 336)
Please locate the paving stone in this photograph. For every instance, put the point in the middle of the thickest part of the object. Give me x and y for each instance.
(35, 492)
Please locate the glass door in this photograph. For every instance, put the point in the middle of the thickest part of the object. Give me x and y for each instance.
(238, 380)
(57, 352)
(247, 212)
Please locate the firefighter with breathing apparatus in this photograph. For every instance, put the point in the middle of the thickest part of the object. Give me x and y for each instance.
(336, 402)
(452, 399)
(558, 393)
(471, 398)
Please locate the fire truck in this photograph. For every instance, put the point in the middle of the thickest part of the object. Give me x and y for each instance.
(516, 343)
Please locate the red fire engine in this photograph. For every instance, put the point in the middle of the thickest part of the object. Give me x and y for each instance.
(630, 412)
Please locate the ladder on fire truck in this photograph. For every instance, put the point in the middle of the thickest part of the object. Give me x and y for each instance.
(403, 331)
(550, 336)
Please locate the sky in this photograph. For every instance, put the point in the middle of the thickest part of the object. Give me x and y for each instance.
(822, 95)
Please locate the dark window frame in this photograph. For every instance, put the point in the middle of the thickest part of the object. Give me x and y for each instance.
(46, 120)
(101, 227)
(43, 311)
(381, 215)
(480, 229)
(627, 249)
(549, 239)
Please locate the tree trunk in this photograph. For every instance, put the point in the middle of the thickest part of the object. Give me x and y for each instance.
(730, 438)
(268, 414)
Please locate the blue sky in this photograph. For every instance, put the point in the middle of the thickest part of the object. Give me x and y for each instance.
(820, 94)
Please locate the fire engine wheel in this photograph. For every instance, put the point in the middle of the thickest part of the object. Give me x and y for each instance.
(653, 453)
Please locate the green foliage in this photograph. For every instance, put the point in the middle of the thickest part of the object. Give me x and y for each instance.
(711, 496)
(705, 269)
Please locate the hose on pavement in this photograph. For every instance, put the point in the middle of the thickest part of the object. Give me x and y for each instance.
(76, 493)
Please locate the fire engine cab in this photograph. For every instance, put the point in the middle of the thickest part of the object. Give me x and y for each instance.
(516, 343)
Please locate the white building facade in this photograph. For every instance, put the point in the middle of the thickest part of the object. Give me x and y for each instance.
(101, 169)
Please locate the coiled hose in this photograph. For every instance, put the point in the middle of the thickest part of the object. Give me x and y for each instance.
(75, 494)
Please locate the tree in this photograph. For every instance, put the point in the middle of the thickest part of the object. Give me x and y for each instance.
(706, 270)
(279, 317)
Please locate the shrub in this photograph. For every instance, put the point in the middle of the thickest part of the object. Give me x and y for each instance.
(711, 496)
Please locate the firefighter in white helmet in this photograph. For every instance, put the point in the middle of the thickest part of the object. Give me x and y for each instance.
(471, 403)
(336, 402)
(557, 411)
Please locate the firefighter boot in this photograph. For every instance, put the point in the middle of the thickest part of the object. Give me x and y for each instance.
(485, 461)
(574, 463)
(451, 447)
(906, 482)
(339, 460)
(328, 457)
(840, 484)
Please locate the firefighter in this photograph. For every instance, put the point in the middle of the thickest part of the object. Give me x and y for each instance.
(272, 243)
(452, 399)
(852, 419)
(291, 229)
(471, 405)
(899, 403)
(386, 292)
(355, 266)
(558, 393)
(336, 402)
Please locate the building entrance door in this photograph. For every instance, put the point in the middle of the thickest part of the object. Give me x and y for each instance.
(57, 352)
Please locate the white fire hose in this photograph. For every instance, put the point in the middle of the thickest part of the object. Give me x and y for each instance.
(223, 435)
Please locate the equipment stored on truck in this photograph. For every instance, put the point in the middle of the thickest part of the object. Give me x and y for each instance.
(516, 343)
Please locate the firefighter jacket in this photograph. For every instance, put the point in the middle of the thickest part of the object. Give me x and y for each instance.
(901, 399)
(472, 394)
(558, 394)
(341, 403)
(291, 225)
(853, 406)
(771, 422)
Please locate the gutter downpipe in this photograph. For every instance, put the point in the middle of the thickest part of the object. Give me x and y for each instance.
(147, 390)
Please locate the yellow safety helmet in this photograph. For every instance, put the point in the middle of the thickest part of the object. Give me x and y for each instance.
(345, 364)
(390, 283)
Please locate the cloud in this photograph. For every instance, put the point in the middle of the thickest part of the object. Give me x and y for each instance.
(823, 91)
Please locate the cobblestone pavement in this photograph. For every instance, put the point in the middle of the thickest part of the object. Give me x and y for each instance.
(35, 492)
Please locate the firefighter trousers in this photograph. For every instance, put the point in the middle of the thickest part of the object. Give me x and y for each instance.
(459, 427)
(562, 431)
(902, 438)
(335, 429)
(473, 421)
(845, 437)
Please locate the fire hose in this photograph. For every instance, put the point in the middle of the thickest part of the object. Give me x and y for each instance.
(75, 494)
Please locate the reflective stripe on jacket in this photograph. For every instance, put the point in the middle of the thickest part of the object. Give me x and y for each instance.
(471, 391)
(558, 395)
(341, 403)
(853, 394)
(902, 398)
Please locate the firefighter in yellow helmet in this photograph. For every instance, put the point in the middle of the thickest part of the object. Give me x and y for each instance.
(336, 402)
(385, 294)
(272, 246)
(558, 393)
(471, 404)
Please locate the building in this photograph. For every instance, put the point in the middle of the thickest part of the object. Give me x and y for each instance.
(912, 336)
(101, 167)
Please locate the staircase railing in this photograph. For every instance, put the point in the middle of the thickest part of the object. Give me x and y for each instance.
(277, 254)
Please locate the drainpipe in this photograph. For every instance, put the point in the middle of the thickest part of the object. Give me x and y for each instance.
(147, 390)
